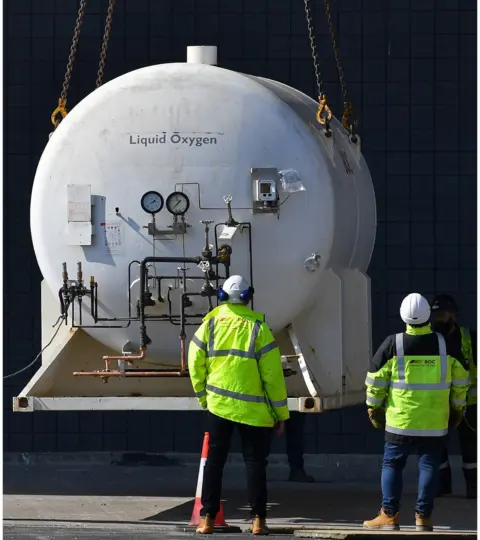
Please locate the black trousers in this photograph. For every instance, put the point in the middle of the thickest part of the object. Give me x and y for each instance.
(255, 448)
(294, 439)
(468, 446)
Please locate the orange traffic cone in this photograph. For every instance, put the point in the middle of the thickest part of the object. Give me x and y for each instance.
(220, 522)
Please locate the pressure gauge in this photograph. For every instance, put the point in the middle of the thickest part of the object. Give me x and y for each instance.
(178, 203)
(152, 202)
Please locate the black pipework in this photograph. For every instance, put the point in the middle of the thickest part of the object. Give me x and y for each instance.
(141, 301)
(67, 294)
(159, 283)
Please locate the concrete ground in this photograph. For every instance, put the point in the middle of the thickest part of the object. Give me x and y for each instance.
(52, 499)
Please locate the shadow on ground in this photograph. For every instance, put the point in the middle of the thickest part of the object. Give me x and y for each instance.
(342, 505)
(165, 494)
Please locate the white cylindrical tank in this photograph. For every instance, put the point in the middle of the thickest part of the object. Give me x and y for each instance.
(201, 130)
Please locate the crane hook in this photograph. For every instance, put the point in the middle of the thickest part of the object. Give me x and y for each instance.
(61, 109)
(324, 113)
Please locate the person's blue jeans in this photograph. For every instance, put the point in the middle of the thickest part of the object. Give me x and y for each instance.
(394, 460)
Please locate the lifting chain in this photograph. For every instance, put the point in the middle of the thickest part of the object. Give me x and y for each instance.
(324, 114)
(106, 38)
(61, 110)
(347, 116)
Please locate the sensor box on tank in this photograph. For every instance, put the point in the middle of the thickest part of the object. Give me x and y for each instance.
(265, 192)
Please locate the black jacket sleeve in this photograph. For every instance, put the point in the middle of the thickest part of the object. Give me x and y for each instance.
(385, 352)
(454, 349)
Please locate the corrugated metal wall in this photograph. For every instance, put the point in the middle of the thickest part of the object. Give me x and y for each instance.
(411, 68)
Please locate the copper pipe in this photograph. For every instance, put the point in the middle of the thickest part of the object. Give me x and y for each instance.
(141, 356)
(183, 360)
(128, 358)
(130, 374)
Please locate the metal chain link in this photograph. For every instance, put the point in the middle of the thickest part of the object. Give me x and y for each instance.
(324, 114)
(62, 101)
(313, 46)
(347, 115)
(73, 48)
(106, 38)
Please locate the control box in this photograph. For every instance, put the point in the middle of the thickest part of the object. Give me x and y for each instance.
(265, 190)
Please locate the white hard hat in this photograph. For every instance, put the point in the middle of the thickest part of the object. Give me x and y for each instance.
(234, 286)
(415, 309)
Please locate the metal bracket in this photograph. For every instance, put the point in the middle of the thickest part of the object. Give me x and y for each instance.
(312, 263)
(301, 362)
(329, 142)
(178, 227)
(355, 148)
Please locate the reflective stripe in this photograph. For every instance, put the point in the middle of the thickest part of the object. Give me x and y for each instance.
(264, 350)
(236, 395)
(469, 465)
(442, 348)
(401, 385)
(374, 401)
(417, 432)
(472, 390)
(458, 402)
(200, 344)
(379, 383)
(400, 356)
(211, 338)
(253, 339)
(420, 386)
(281, 403)
(212, 352)
(461, 381)
(245, 397)
(444, 465)
(231, 352)
(201, 394)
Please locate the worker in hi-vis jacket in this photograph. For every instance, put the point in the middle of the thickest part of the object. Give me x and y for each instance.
(236, 372)
(444, 314)
(416, 389)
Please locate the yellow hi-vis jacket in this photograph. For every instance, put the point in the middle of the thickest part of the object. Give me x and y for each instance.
(467, 351)
(236, 369)
(414, 378)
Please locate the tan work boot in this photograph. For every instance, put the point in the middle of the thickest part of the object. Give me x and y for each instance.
(423, 523)
(206, 525)
(383, 522)
(260, 527)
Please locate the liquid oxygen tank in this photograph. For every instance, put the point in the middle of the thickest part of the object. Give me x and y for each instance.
(176, 161)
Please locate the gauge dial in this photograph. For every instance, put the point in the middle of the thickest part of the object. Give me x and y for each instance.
(152, 202)
(178, 203)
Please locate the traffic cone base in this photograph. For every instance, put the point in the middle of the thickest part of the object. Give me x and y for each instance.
(196, 517)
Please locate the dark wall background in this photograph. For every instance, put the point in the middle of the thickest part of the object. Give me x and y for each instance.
(411, 68)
